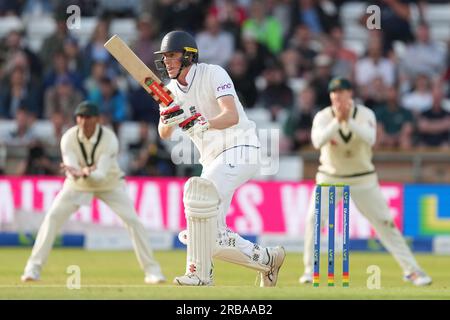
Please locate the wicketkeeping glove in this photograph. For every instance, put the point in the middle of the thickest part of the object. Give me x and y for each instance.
(172, 115)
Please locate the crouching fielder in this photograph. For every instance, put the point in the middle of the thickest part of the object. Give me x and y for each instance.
(214, 119)
(345, 133)
(89, 153)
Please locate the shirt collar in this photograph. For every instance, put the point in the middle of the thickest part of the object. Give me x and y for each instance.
(93, 138)
(190, 75)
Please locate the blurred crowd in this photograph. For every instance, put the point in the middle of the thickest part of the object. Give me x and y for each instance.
(280, 54)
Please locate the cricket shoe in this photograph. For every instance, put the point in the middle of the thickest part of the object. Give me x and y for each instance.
(418, 278)
(153, 278)
(276, 258)
(31, 274)
(306, 278)
(191, 279)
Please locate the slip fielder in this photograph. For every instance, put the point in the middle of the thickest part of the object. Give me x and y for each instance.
(213, 117)
(89, 152)
(345, 133)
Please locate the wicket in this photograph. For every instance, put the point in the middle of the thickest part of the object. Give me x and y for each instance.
(331, 227)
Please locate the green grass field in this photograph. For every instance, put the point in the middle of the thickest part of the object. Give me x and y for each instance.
(116, 275)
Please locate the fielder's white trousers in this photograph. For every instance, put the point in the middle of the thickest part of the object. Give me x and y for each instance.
(231, 169)
(68, 201)
(369, 200)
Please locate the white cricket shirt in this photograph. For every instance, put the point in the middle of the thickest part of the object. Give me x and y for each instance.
(345, 149)
(100, 150)
(206, 84)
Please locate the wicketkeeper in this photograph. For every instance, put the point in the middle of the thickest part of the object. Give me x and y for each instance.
(345, 133)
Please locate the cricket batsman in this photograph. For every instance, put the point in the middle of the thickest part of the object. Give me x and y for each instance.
(345, 133)
(208, 110)
(89, 153)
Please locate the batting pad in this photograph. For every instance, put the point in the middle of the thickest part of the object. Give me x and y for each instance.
(201, 204)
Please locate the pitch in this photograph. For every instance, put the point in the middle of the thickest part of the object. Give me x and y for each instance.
(116, 275)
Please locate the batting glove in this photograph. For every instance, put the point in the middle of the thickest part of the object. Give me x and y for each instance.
(172, 115)
(194, 125)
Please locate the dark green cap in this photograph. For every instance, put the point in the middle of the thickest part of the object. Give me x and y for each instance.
(339, 83)
(87, 108)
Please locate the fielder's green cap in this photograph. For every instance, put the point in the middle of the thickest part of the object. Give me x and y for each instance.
(87, 108)
(339, 83)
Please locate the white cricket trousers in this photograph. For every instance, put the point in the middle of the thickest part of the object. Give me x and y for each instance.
(231, 169)
(68, 201)
(369, 200)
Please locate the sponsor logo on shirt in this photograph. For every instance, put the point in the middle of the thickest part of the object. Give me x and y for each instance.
(224, 87)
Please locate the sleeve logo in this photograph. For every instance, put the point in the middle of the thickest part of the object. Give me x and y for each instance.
(224, 87)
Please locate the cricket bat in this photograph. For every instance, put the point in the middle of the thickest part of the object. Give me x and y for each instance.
(138, 70)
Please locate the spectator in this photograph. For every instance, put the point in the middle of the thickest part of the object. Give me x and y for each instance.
(111, 101)
(147, 42)
(63, 98)
(187, 15)
(434, 124)
(340, 67)
(61, 69)
(281, 11)
(92, 83)
(344, 53)
(95, 50)
(229, 11)
(44, 155)
(243, 83)
(150, 8)
(11, 8)
(302, 42)
(320, 79)
(297, 128)
(73, 54)
(395, 124)
(267, 29)
(37, 9)
(231, 16)
(23, 135)
(395, 21)
(59, 127)
(257, 55)
(149, 158)
(374, 95)
(291, 62)
(374, 65)
(16, 94)
(55, 42)
(215, 45)
(421, 98)
(423, 56)
(345, 58)
(277, 95)
(33, 83)
(15, 48)
(319, 16)
(37, 162)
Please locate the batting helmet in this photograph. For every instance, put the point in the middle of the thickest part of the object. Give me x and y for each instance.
(178, 41)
